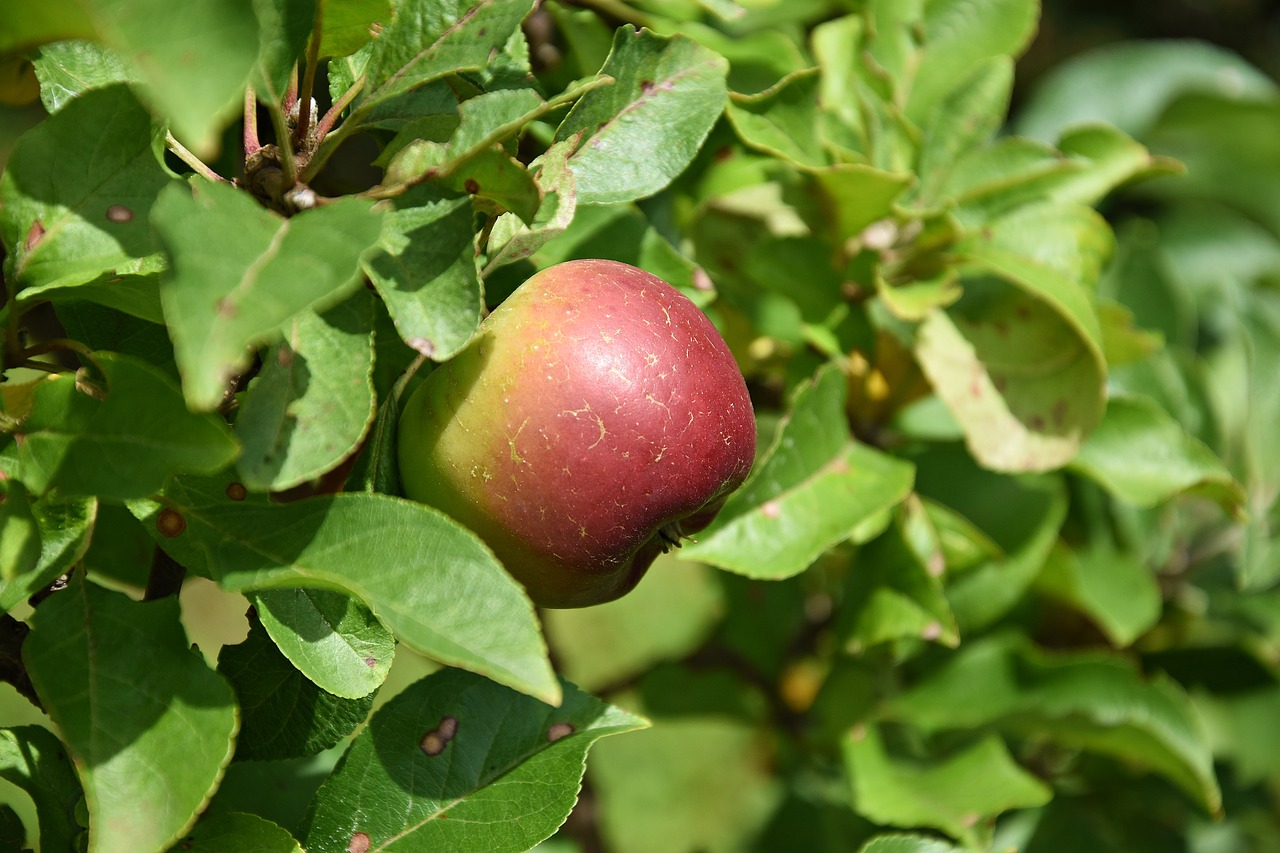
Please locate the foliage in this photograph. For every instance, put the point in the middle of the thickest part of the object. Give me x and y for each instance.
(1004, 573)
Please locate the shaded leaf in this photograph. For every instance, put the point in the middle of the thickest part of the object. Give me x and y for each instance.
(65, 529)
(237, 832)
(121, 447)
(32, 758)
(430, 581)
(642, 131)
(455, 755)
(67, 69)
(780, 120)
(332, 638)
(351, 24)
(240, 272)
(814, 485)
(67, 232)
(1115, 589)
(283, 29)
(144, 719)
(310, 405)
(907, 844)
(939, 794)
(282, 714)
(1142, 455)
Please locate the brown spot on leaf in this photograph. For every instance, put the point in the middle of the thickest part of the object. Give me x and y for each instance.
(471, 186)
(170, 523)
(360, 843)
(771, 509)
(284, 356)
(237, 491)
(423, 346)
(646, 86)
(558, 731)
(226, 308)
(1059, 412)
(34, 234)
(119, 213)
(434, 741)
(371, 662)
(1036, 422)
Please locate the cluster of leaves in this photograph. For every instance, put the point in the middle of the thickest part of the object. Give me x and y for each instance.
(982, 589)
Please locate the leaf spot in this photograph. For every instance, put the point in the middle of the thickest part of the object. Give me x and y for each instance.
(237, 491)
(434, 741)
(170, 523)
(119, 213)
(371, 662)
(471, 186)
(34, 234)
(771, 509)
(559, 730)
(359, 843)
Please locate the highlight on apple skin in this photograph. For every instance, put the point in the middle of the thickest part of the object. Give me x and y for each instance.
(596, 417)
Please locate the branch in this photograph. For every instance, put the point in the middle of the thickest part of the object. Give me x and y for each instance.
(190, 159)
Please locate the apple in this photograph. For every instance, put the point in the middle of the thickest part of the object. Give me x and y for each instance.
(595, 419)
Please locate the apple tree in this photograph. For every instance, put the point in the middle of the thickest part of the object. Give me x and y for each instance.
(1002, 573)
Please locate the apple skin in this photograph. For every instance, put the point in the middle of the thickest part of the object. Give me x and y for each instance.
(595, 417)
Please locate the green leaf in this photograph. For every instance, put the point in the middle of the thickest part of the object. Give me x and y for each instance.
(426, 271)
(351, 24)
(965, 119)
(891, 594)
(664, 788)
(20, 544)
(240, 272)
(33, 758)
(1129, 84)
(283, 29)
(454, 758)
(853, 196)
(641, 132)
(666, 617)
(60, 231)
(959, 36)
(1113, 588)
(512, 240)
(907, 844)
(65, 528)
(237, 832)
(101, 328)
(120, 447)
(193, 67)
(332, 638)
(940, 793)
(425, 41)
(282, 714)
(312, 402)
(145, 720)
(67, 69)
(430, 581)
(1069, 238)
(781, 120)
(814, 485)
(1143, 456)
(1018, 361)
(1088, 701)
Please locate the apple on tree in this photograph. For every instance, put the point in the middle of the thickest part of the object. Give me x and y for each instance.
(595, 419)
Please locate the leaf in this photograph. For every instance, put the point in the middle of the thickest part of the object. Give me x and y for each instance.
(1129, 84)
(781, 119)
(668, 616)
(814, 485)
(890, 594)
(967, 118)
(237, 832)
(144, 719)
(312, 402)
(959, 36)
(425, 41)
(283, 29)
(240, 272)
(62, 232)
(1143, 456)
(938, 794)
(192, 67)
(456, 757)
(1018, 361)
(425, 271)
(350, 24)
(282, 714)
(907, 844)
(511, 240)
(1113, 588)
(121, 447)
(1088, 701)
(20, 544)
(853, 196)
(430, 581)
(33, 759)
(332, 638)
(68, 69)
(65, 530)
(135, 295)
(645, 129)
(663, 788)
(1069, 238)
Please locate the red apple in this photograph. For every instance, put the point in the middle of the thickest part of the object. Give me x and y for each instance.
(595, 419)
